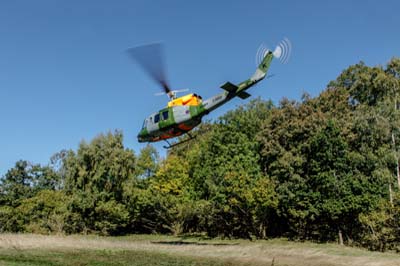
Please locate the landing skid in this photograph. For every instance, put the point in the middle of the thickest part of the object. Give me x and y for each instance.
(179, 143)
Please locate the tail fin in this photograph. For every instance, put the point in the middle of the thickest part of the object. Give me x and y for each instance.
(264, 57)
(262, 68)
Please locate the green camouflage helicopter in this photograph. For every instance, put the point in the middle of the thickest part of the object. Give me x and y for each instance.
(184, 113)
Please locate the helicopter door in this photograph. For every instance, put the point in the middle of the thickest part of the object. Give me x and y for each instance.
(152, 122)
(181, 113)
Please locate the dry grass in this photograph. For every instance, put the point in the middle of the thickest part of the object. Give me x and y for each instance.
(238, 252)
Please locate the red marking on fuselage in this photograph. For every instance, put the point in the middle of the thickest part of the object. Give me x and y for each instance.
(173, 132)
(185, 127)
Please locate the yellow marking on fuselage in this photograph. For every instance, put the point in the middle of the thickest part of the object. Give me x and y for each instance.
(190, 100)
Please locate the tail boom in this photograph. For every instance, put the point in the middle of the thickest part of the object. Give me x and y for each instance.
(232, 90)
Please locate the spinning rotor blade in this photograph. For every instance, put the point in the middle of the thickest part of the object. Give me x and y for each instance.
(283, 50)
(171, 92)
(151, 58)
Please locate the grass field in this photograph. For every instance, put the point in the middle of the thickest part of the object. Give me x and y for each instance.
(157, 250)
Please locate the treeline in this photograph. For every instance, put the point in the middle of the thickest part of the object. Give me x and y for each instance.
(322, 169)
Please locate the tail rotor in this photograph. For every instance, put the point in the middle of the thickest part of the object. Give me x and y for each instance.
(282, 51)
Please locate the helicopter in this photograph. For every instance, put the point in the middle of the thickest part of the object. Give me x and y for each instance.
(182, 114)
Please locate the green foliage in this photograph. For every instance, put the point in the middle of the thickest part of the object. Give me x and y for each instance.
(318, 169)
(100, 167)
(147, 162)
(332, 155)
(381, 227)
(94, 180)
(45, 212)
(10, 220)
(24, 181)
(224, 170)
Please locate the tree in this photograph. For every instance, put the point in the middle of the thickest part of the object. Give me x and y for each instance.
(17, 184)
(100, 167)
(147, 161)
(44, 213)
(224, 168)
(94, 178)
(24, 180)
(310, 149)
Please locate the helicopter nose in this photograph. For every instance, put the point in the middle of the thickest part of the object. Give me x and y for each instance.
(142, 136)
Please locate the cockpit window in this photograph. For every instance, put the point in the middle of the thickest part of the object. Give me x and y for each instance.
(165, 115)
(156, 118)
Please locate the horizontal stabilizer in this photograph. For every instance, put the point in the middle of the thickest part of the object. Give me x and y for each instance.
(229, 87)
(243, 95)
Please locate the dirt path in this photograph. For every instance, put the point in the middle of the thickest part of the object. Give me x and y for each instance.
(251, 253)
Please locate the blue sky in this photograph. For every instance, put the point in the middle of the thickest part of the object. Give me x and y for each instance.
(64, 75)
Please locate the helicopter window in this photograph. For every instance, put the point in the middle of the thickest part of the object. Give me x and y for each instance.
(165, 115)
(156, 118)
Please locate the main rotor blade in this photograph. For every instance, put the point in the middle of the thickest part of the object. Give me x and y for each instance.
(151, 58)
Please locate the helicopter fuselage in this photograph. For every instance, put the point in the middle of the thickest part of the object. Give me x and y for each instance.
(174, 120)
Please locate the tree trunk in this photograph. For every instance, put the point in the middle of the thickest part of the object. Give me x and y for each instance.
(340, 237)
(262, 230)
(395, 150)
(398, 172)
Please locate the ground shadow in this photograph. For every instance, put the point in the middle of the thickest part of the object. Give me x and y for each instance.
(181, 242)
